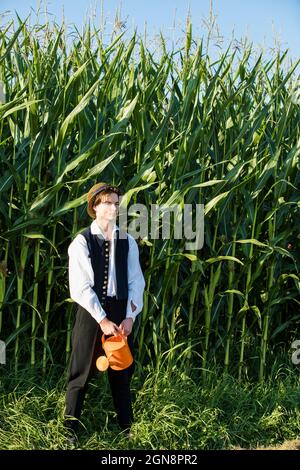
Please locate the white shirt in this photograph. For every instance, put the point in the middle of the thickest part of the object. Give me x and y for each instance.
(81, 275)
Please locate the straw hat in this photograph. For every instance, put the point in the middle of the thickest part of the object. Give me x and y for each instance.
(94, 191)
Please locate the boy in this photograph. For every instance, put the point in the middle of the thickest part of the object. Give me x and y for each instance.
(107, 283)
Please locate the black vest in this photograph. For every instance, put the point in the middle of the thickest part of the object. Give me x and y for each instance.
(99, 254)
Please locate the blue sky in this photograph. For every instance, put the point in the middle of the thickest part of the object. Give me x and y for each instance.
(260, 20)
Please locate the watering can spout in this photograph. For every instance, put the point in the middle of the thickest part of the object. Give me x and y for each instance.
(102, 363)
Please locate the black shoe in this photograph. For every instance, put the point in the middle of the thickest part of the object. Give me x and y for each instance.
(126, 430)
(72, 439)
(71, 434)
(129, 434)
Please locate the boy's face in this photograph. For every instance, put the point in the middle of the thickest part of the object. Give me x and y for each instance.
(108, 208)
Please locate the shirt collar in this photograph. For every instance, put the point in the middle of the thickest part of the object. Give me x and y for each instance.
(96, 230)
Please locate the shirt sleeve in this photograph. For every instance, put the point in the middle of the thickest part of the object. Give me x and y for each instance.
(136, 281)
(81, 278)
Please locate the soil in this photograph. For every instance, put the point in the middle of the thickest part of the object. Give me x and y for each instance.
(286, 445)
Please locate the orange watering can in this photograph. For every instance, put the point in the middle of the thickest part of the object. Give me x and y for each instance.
(118, 355)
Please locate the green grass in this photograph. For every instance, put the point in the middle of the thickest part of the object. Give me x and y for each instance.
(172, 411)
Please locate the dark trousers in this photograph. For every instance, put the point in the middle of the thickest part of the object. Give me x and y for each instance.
(86, 347)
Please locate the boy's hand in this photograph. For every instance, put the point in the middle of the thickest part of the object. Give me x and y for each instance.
(126, 326)
(108, 327)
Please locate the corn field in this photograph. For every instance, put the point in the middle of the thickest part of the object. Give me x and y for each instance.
(170, 128)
